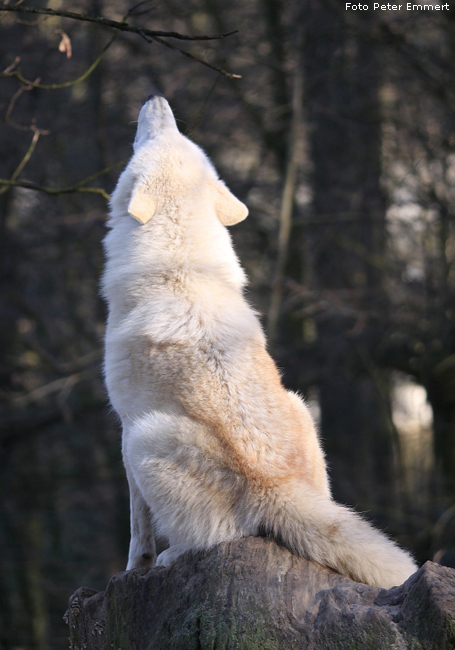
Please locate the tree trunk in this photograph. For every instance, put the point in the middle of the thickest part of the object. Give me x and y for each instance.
(253, 594)
(342, 78)
(441, 394)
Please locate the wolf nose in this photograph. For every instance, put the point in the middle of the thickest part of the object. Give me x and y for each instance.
(154, 95)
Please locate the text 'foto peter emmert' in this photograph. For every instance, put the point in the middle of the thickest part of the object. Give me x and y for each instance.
(409, 6)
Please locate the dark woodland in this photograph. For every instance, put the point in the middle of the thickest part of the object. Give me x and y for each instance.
(337, 129)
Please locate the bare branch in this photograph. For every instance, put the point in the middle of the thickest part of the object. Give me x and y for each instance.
(53, 190)
(13, 71)
(147, 34)
(13, 65)
(113, 24)
(10, 72)
(203, 107)
(28, 155)
(229, 75)
(102, 172)
(24, 161)
(21, 90)
(72, 189)
(61, 385)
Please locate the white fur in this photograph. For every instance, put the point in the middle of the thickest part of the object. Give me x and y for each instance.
(214, 447)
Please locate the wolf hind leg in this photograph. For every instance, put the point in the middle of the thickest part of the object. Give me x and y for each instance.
(192, 495)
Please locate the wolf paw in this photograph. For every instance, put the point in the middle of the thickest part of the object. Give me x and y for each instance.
(168, 557)
(141, 561)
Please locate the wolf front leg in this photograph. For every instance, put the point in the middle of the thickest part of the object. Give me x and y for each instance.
(142, 553)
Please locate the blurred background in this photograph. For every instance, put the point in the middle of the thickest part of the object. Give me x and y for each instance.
(339, 136)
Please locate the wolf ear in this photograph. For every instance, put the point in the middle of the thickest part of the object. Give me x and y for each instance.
(142, 205)
(228, 208)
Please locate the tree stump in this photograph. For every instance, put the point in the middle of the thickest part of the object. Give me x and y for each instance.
(254, 594)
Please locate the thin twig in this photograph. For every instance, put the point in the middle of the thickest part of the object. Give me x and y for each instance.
(22, 89)
(203, 107)
(24, 161)
(57, 385)
(13, 65)
(114, 24)
(102, 172)
(28, 154)
(76, 188)
(133, 10)
(35, 84)
(229, 75)
(146, 34)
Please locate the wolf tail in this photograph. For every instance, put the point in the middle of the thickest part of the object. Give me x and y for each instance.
(316, 527)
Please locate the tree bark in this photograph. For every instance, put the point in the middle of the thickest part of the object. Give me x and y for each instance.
(253, 594)
(441, 394)
(342, 78)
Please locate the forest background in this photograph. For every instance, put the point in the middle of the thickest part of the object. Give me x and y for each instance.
(337, 129)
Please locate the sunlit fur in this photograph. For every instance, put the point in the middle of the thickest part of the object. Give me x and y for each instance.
(214, 447)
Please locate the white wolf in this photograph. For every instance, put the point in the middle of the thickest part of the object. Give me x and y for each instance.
(214, 447)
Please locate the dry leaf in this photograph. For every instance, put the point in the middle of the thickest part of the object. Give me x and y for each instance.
(65, 44)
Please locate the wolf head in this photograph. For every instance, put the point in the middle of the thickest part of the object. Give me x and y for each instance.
(169, 169)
